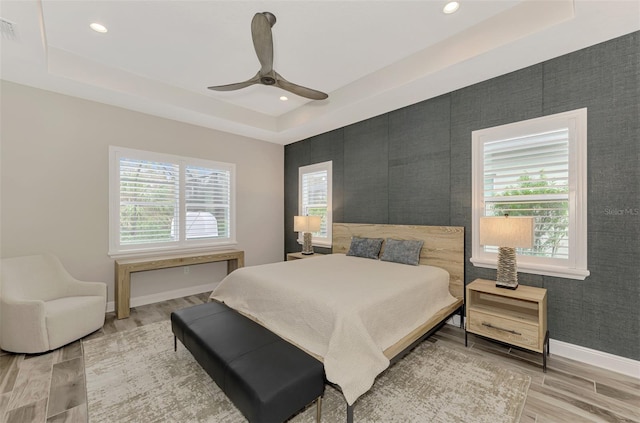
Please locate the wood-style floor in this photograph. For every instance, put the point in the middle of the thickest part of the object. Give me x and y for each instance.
(51, 387)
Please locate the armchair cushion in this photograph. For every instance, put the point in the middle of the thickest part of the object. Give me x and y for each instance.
(42, 307)
(63, 327)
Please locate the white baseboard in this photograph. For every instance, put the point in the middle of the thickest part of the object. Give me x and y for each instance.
(164, 296)
(615, 363)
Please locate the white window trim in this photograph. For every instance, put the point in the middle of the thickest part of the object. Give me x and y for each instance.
(328, 166)
(575, 267)
(165, 248)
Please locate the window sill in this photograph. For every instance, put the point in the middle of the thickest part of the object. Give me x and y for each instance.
(546, 270)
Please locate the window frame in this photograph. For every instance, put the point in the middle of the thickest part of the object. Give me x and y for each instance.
(182, 245)
(575, 266)
(327, 166)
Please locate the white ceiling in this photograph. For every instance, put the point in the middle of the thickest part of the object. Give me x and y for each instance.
(369, 56)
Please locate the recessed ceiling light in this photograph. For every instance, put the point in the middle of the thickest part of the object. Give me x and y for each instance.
(284, 98)
(451, 7)
(98, 27)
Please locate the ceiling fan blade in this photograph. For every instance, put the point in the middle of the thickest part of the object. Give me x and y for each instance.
(299, 89)
(263, 41)
(237, 85)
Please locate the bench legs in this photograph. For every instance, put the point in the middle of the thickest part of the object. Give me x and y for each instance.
(318, 409)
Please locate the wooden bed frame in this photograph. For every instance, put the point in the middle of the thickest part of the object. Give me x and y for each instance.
(443, 247)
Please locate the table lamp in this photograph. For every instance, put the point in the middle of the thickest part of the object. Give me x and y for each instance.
(306, 225)
(507, 233)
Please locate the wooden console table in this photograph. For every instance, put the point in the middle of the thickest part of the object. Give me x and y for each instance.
(124, 268)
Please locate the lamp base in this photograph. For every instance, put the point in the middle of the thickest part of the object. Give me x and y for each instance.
(307, 246)
(507, 270)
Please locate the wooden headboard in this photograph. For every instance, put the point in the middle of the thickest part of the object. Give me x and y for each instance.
(443, 245)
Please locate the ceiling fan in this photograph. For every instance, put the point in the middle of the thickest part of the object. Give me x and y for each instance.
(263, 44)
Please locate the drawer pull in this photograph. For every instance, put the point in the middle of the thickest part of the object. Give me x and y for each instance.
(489, 325)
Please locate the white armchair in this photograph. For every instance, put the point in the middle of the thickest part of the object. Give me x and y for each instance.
(43, 307)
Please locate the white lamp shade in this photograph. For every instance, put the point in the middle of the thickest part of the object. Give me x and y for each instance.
(514, 232)
(306, 223)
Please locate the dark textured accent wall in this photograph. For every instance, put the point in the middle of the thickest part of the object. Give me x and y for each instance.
(413, 166)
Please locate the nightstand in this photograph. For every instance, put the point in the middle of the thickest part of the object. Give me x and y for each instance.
(516, 317)
(298, 256)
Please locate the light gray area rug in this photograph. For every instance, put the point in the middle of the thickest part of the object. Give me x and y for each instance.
(135, 376)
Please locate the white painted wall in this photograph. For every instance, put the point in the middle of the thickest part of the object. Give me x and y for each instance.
(54, 192)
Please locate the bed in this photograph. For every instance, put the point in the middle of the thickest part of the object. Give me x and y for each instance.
(355, 314)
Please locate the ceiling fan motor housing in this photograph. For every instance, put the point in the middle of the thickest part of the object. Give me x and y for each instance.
(267, 80)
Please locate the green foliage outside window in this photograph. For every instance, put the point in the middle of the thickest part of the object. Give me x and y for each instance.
(551, 217)
(147, 202)
(322, 212)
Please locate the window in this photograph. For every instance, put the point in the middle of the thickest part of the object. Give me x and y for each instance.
(161, 202)
(314, 199)
(535, 168)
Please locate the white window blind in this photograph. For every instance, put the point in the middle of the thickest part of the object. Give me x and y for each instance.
(315, 198)
(535, 168)
(161, 202)
(208, 200)
(148, 200)
(529, 176)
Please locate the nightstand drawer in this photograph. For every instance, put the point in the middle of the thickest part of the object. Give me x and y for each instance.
(503, 329)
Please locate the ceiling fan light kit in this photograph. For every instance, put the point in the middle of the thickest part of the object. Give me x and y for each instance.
(263, 44)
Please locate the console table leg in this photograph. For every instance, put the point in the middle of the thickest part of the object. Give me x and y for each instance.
(122, 293)
(232, 265)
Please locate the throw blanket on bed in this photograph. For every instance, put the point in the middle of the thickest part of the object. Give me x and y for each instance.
(346, 310)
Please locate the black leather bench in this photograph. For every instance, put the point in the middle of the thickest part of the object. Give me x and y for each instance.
(267, 378)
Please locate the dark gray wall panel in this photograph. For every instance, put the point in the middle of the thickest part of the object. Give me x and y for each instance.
(565, 302)
(505, 99)
(330, 146)
(389, 161)
(295, 155)
(589, 78)
(606, 80)
(419, 151)
(321, 148)
(366, 175)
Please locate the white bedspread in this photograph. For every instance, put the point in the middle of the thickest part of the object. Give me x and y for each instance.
(346, 310)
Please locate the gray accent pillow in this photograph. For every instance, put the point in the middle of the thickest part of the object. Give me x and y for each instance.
(365, 247)
(402, 251)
